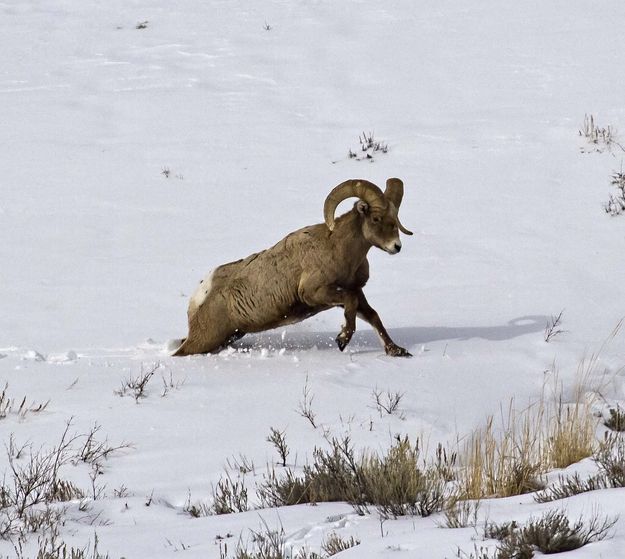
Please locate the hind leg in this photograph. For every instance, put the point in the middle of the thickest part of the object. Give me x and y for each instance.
(209, 331)
(191, 346)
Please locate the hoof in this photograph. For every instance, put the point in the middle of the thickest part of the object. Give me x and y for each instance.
(341, 343)
(342, 340)
(396, 351)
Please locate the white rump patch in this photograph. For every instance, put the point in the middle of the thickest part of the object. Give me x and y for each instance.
(201, 293)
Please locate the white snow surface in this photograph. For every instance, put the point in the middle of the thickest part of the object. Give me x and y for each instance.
(136, 160)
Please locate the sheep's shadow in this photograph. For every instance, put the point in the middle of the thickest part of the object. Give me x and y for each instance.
(406, 337)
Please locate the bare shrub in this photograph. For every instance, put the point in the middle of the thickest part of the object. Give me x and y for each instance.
(307, 554)
(394, 482)
(37, 481)
(5, 402)
(136, 386)
(46, 519)
(305, 405)
(386, 402)
(241, 464)
(94, 451)
(197, 509)
(334, 475)
(369, 147)
(477, 553)
(9, 523)
(98, 491)
(34, 407)
(278, 440)
(7, 405)
(553, 327)
(551, 533)
(610, 457)
(32, 490)
(170, 384)
(284, 490)
(397, 485)
(229, 496)
(265, 543)
(611, 460)
(51, 547)
(616, 203)
(121, 492)
(569, 486)
(616, 421)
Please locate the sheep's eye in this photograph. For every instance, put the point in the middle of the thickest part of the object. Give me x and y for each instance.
(375, 219)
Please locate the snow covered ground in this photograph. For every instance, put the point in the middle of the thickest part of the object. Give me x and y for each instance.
(135, 158)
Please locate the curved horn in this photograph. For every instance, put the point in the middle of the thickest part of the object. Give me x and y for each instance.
(402, 228)
(365, 190)
(395, 192)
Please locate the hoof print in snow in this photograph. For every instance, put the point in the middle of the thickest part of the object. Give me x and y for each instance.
(67, 357)
(32, 355)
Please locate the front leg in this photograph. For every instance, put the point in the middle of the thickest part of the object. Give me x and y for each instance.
(367, 313)
(349, 326)
(314, 295)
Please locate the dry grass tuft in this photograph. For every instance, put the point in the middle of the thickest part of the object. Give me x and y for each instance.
(333, 544)
(461, 513)
(511, 459)
(600, 138)
(505, 462)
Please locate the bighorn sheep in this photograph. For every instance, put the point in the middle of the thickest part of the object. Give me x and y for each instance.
(309, 271)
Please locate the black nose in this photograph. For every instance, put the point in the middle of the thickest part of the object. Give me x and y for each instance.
(397, 247)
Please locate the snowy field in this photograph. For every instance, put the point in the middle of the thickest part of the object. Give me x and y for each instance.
(145, 142)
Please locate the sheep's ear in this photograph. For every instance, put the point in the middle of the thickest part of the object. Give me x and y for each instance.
(362, 207)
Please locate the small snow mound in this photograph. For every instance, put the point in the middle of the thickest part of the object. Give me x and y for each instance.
(172, 345)
(150, 344)
(67, 357)
(3, 355)
(227, 352)
(32, 355)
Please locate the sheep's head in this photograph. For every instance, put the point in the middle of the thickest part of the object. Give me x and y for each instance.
(379, 209)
